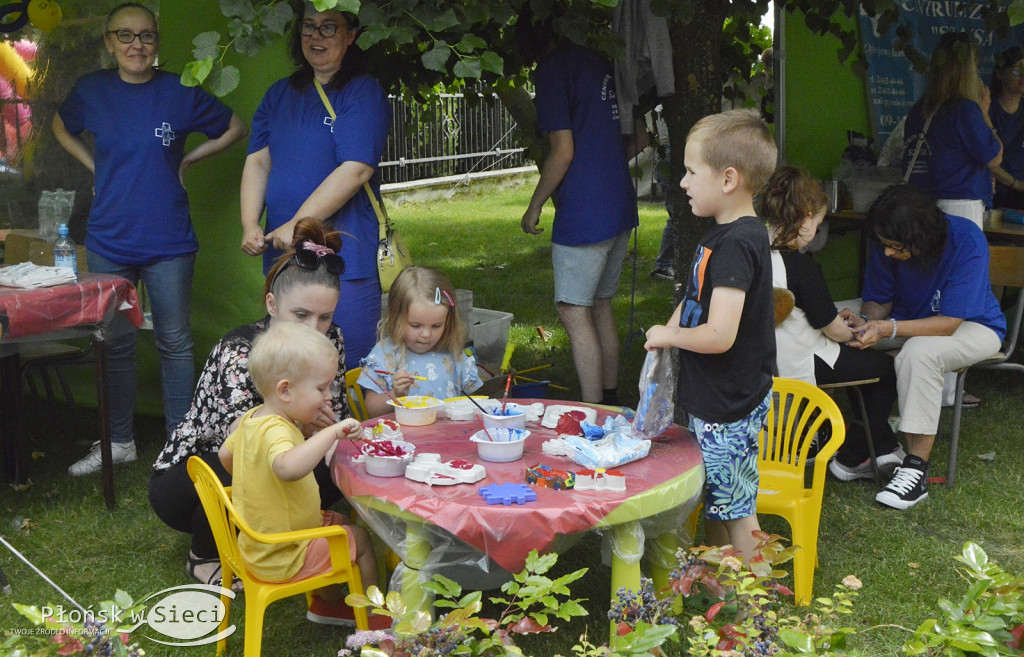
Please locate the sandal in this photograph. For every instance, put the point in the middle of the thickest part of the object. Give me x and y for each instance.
(215, 579)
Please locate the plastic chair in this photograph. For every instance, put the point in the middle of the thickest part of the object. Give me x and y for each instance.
(798, 411)
(226, 525)
(354, 392)
(1005, 268)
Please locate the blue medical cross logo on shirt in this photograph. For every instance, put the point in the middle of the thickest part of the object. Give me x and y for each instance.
(329, 121)
(165, 133)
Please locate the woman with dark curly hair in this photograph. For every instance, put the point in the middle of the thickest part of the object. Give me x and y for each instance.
(926, 283)
(304, 163)
(811, 341)
(301, 287)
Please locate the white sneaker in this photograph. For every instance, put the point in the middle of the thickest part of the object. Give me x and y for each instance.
(887, 463)
(92, 462)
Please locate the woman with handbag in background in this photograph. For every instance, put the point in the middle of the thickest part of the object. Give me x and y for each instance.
(951, 149)
(317, 139)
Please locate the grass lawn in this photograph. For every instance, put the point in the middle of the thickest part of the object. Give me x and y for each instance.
(905, 559)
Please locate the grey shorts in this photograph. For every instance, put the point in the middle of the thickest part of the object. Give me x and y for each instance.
(589, 271)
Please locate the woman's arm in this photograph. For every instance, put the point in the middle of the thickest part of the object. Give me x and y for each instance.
(72, 144)
(376, 403)
(329, 197)
(236, 130)
(253, 195)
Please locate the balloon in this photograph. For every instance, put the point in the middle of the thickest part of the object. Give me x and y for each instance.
(19, 10)
(44, 14)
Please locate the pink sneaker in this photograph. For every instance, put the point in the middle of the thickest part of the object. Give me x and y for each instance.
(339, 613)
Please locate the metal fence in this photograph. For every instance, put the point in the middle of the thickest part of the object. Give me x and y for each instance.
(449, 137)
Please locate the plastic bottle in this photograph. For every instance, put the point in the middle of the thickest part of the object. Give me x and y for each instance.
(1013, 216)
(64, 254)
(47, 216)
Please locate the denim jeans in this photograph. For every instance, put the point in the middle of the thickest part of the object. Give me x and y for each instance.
(169, 287)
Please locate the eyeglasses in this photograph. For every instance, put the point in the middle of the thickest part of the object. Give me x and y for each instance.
(893, 246)
(127, 36)
(311, 260)
(327, 30)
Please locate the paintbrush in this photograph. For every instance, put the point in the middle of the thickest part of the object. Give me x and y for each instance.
(380, 384)
(472, 400)
(504, 397)
(418, 378)
(484, 427)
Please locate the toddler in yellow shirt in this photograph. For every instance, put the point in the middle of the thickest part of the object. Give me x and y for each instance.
(271, 464)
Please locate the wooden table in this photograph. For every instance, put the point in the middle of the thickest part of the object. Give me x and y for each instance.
(72, 310)
(452, 530)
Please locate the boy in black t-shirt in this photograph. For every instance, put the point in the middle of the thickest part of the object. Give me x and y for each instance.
(724, 327)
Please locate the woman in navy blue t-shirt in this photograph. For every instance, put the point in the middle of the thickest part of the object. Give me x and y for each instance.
(139, 224)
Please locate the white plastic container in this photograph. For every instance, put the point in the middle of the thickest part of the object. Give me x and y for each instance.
(488, 329)
(390, 466)
(505, 444)
(416, 410)
(515, 417)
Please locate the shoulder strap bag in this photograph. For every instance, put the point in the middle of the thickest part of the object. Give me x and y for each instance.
(392, 254)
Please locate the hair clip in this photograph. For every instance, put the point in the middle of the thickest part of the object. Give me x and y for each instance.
(449, 297)
(437, 296)
(318, 249)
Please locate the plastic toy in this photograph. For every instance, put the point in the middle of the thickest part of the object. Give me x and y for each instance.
(385, 430)
(545, 475)
(507, 494)
(600, 479)
(555, 411)
(428, 469)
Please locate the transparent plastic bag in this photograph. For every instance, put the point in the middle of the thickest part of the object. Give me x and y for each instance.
(655, 411)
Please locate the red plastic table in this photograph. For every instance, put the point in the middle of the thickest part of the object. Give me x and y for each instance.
(452, 530)
(72, 310)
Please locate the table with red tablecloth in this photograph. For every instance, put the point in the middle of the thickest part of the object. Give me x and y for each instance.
(451, 530)
(72, 310)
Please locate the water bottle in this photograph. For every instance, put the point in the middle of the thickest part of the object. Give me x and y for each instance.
(1013, 216)
(64, 254)
(47, 216)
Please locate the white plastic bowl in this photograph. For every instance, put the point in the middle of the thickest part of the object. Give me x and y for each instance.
(416, 410)
(515, 417)
(505, 445)
(390, 466)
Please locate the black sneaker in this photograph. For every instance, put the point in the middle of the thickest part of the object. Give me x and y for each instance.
(664, 273)
(909, 485)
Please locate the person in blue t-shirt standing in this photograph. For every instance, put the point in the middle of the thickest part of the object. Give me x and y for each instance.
(304, 163)
(139, 224)
(586, 173)
(954, 160)
(926, 281)
(1008, 120)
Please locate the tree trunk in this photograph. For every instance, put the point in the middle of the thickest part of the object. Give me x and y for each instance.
(519, 103)
(699, 75)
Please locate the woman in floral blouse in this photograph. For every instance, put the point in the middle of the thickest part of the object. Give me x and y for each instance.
(301, 287)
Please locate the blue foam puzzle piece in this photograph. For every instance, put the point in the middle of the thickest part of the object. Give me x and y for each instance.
(507, 494)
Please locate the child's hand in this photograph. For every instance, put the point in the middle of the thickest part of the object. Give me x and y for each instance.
(401, 382)
(657, 337)
(852, 319)
(349, 429)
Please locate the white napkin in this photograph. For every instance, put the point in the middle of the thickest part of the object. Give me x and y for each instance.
(28, 275)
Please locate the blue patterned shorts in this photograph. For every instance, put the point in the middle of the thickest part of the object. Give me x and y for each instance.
(730, 463)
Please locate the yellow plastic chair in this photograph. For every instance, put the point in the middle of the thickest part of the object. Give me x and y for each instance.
(226, 525)
(797, 412)
(354, 392)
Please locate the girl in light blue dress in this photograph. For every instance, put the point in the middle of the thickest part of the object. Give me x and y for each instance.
(420, 343)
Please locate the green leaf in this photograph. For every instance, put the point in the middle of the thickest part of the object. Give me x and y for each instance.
(206, 45)
(492, 61)
(238, 8)
(800, 641)
(31, 612)
(468, 67)
(276, 17)
(223, 80)
(123, 600)
(396, 603)
(435, 59)
(973, 556)
(470, 42)
(540, 564)
(195, 72)
(442, 22)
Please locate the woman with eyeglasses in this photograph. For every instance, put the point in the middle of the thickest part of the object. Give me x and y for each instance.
(1008, 120)
(926, 283)
(302, 286)
(304, 163)
(139, 225)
